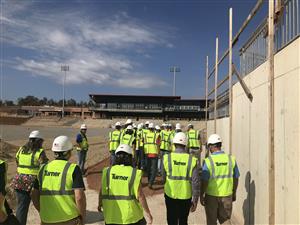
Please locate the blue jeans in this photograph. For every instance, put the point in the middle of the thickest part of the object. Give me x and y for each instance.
(152, 169)
(23, 199)
(81, 159)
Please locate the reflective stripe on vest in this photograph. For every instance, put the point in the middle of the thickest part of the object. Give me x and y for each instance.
(179, 168)
(193, 141)
(221, 168)
(150, 143)
(2, 207)
(114, 140)
(57, 199)
(120, 186)
(28, 163)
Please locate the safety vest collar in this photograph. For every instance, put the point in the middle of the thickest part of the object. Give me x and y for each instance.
(213, 175)
(187, 177)
(62, 190)
(130, 195)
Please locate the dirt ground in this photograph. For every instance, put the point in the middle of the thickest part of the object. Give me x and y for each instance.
(14, 136)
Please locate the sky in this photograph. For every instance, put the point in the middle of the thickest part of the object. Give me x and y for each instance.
(113, 46)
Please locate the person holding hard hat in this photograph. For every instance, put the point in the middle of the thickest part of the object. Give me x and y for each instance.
(219, 182)
(6, 214)
(83, 147)
(181, 178)
(29, 159)
(121, 195)
(59, 191)
(114, 141)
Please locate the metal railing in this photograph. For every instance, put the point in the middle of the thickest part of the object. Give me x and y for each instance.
(287, 28)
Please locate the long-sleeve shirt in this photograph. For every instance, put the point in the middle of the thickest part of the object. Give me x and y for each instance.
(195, 177)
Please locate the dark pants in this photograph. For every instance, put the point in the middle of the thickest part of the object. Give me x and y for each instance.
(141, 222)
(152, 169)
(23, 199)
(81, 159)
(218, 208)
(11, 220)
(177, 210)
(139, 158)
(144, 162)
(112, 158)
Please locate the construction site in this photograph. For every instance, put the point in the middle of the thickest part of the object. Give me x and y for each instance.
(251, 99)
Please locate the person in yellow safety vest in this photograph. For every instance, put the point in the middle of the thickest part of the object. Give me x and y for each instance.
(83, 147)
(28, 158)
(121, 195)
(181, 178)
(151, 140)
(194, 144)
(6, 214)
(144, 132)
(58, 193)
(139, 146)
(173, 133)
(114, 142)
(165, 144)
(219, 182)
(158, 131)
(128, 137)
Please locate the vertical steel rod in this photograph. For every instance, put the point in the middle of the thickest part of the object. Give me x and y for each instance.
(216, 84)
(206, 91)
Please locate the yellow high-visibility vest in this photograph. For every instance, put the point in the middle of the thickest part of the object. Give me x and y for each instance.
(57, 199)
(179, 168)
(221, 168)
(120, 186)
(28, 162)
(114, 139)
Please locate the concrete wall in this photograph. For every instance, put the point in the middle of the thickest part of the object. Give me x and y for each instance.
(250, 141)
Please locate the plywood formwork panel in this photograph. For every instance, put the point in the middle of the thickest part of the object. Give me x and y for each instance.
(287, 125)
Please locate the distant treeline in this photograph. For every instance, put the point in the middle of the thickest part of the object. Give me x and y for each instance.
(34, 101)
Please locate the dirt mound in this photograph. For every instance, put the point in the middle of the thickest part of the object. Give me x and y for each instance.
(12, 120)
(94, 176)
(7, 151)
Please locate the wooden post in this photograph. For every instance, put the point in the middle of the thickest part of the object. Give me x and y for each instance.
(206, 91)
(271, 113)
(230, 80)
(216, 84)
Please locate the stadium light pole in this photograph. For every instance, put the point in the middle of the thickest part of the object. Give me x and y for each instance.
(173, 70)
(64, 68)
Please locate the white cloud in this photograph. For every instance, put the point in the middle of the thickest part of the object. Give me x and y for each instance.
(96, 51)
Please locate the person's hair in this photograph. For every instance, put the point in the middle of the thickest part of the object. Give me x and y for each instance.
(123, 158)
(61, 155)
(129, 131)
(217, 145)
(34, 144)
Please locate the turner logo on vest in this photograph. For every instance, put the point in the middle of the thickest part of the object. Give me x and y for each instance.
(179, 163)
(116, 177)
(221, 163)
(52, 174)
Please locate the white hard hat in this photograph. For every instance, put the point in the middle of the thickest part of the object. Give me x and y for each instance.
(134, 125)
(164, 125)
(35, 134)
(169, 125)
(129, 121)
(178, 126)
(147, 122)
(190, 125)
(180, 138)
(140, 126)
(118, 124)
(157, 127)
(124, 148)
(129, 127)
(62, 144)
(151, 125)
(83, 127)
(214, 139)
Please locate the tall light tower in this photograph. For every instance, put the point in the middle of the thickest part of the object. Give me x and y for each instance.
(64, 68)
(173, 70)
